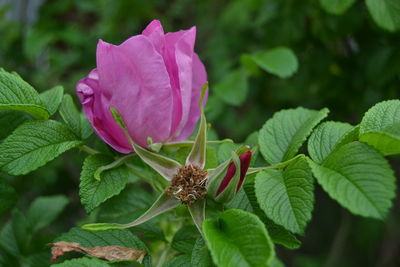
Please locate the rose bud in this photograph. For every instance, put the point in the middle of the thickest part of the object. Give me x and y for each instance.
(227, 179)
(153, 80)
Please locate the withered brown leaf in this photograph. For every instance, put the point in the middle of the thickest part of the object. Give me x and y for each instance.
(110, 253)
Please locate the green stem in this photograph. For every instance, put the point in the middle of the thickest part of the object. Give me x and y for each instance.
(276, 166)
(88, 150)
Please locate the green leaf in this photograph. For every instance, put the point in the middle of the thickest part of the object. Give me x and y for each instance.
(52, 98)
(16, 94)
(70, 114)
(246, 200)
(52, 206)
(89, 239)
(179, 261)
(327, 137)
(278, 234)
(386, 13)
(11, 119)
(286, 196)
(281, 136)
(185, 239)
(336, 7)
(38, 259)
(94, 192)
(233, 88)
(8, 197)
(82, 262)
(380, 127)
(200, 255)
(240, 201)
(359, 178)
(280, 61)
(33, 144)
(86, 127)
(238, 238)
(225, 151)
(8, 241)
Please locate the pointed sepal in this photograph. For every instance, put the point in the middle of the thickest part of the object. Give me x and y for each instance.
(163, 204)
(227, 179)
(197, 211)
(215, 178)
(227, 188)
(166, 167)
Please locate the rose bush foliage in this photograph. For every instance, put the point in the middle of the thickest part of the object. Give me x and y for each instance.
(144, 100)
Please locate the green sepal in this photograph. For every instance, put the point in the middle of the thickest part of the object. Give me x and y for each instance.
(163, 204)
(166, 167)
(230, 191)
(215, 178)
(197, 155)
(197, 211)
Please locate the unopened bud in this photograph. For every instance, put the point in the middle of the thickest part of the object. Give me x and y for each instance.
(229, 177)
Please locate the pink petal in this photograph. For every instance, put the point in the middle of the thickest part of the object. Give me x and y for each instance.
(180, 50)
(155, 33)
(199, 79)
(134, 80)
(90, 96)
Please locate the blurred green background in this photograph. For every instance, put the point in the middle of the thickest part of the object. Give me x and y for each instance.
(346, 62)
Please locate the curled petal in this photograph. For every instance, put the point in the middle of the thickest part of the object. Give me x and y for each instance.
(90, 95)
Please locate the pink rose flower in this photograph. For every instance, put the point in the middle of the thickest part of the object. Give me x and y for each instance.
(153, 80)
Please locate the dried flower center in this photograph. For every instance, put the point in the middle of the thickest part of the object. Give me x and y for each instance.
(189, 184)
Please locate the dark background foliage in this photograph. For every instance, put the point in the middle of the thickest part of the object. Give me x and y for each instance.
(346, 63)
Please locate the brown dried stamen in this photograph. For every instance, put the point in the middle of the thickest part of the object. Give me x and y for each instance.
(189, 184)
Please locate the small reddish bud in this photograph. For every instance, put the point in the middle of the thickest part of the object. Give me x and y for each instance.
(245, 160)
